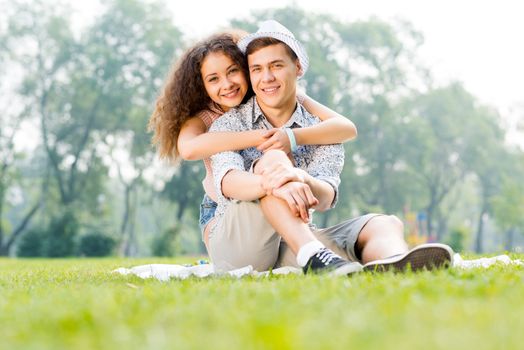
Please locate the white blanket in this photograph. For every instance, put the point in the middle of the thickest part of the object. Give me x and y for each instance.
(164, 272)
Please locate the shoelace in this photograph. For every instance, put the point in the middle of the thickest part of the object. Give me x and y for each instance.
(326, 256)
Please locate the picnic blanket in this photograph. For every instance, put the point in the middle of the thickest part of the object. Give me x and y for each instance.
(164, 272)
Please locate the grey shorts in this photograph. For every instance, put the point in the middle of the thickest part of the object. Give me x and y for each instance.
(244, 237)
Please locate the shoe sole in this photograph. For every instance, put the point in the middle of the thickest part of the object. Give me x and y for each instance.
(346, 270)
(425, 257)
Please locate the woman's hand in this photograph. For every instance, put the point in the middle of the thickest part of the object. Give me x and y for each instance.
(275, 139)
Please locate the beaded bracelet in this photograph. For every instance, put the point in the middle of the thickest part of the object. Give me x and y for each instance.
(292, 140)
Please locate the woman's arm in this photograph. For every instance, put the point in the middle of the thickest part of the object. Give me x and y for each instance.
(194, 143)
(334, 128)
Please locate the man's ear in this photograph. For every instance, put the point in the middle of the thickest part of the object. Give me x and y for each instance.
(300, 71)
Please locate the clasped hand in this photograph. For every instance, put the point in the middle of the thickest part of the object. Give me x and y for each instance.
(275, 139)
(288, 183)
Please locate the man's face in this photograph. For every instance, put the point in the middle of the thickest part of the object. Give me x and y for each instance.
(274, 77)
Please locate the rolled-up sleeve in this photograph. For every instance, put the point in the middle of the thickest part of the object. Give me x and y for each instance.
(326, 164)
(222, 163)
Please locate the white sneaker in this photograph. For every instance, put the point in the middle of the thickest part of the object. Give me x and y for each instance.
(425, 256)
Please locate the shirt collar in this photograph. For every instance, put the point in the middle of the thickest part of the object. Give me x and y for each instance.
(298, 117)
(257, 112)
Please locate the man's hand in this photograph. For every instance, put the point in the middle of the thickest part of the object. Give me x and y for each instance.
(279, 174)
(275, 139)
(299, 198)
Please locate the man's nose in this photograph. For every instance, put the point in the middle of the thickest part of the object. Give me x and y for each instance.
(267, 75)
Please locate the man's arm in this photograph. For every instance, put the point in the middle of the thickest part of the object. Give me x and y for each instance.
(278, 174)
(322, 174)
(242, 185)
(232, 181)
(323, 191)
(298, 197)
(324, 169)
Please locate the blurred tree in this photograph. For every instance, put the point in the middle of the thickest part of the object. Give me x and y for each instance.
(456, 238)
(52, 69)
(31, 243)
(60, 238)
(166, 244)
(440, 124)
(377, 58)
(14, 190)
(86, 88)
(96, 244)
(485, 151)
(185, 189)
(132, 44)
(508, 204)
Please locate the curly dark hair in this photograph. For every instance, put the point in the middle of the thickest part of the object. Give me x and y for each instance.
(184, 94)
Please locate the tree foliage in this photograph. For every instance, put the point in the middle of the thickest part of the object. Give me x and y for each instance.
(96, 244)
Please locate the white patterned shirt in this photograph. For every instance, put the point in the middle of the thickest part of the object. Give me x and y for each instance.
(323, 162)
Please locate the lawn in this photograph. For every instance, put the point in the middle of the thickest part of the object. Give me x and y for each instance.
(80, 304)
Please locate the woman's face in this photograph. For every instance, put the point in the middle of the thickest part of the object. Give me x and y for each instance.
(224, 80)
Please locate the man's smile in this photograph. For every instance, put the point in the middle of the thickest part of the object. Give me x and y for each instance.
(270, 90)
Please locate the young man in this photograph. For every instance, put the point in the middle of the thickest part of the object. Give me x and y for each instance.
(266, 197)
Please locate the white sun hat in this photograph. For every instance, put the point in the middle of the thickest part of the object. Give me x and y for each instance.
(273, 29)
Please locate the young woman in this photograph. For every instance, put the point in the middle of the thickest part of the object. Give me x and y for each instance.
(208, 80)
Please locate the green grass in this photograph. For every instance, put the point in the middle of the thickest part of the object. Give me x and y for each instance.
(79, 304)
